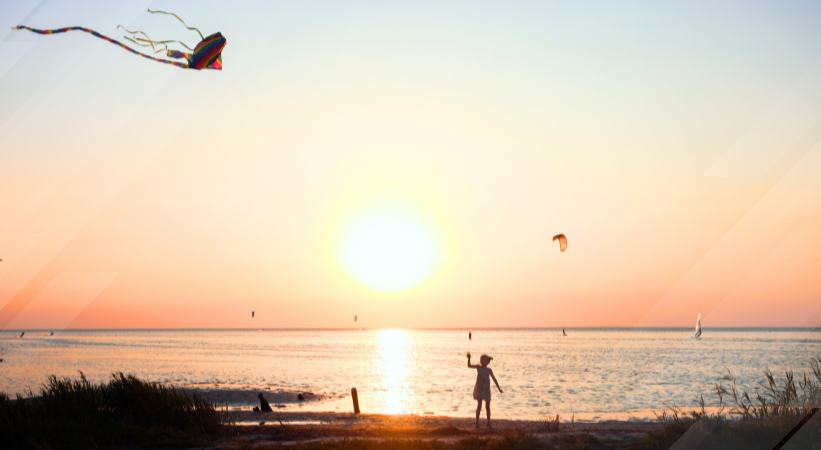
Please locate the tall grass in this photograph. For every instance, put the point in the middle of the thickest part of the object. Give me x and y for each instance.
(775, 398)
(745, 417)
(75, 413)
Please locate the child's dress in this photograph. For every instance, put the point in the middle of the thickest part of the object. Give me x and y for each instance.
(481, 390)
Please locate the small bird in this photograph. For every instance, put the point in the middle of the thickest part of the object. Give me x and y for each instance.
(22, 333)
(563, 332)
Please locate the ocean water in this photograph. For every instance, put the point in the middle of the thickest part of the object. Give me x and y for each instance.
(594, 374)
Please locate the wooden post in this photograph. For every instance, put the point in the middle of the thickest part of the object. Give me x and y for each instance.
(355, 399)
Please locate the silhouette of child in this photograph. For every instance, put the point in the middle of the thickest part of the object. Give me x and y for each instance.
(481, 390)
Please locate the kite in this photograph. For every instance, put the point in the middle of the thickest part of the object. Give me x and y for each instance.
(207, 54)
(562, 241)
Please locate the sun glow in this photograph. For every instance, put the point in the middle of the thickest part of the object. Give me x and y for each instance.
(389, 250)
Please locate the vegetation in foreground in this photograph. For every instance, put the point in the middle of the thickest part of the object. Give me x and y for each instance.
(760, 419)
(74, 413)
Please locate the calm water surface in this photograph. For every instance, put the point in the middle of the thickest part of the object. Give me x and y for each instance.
(594, 374)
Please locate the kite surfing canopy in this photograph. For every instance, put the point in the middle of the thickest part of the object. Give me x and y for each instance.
(562, 241)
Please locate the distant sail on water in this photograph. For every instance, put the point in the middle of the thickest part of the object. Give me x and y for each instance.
(697, 333)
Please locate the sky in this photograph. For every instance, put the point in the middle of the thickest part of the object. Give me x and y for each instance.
(676, 144)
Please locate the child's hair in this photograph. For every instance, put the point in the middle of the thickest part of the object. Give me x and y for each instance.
(484, 360)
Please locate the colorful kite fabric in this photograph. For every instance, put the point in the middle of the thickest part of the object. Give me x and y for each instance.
(207, 54)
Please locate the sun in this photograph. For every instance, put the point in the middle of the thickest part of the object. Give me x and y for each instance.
(389, 250)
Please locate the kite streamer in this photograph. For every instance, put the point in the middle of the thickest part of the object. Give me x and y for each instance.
(103, 37)
(205, 55)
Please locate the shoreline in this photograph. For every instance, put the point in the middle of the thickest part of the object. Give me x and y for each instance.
(238, 404)
(251, 418)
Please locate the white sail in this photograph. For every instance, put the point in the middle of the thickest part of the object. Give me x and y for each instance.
(697, 333)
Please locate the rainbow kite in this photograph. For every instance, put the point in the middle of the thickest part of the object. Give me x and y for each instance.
(205, 55)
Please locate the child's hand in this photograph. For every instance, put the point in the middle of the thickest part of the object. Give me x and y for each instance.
(468, 355)
(500, 390)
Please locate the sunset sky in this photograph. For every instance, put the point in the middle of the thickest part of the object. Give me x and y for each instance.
(676, 144)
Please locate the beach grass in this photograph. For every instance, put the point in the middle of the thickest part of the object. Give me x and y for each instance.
(75, 413)
(745, 418)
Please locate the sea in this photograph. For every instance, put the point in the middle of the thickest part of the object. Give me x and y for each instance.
(590, 374)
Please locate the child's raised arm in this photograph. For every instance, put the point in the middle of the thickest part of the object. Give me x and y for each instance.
(472, 366)
(497, 383)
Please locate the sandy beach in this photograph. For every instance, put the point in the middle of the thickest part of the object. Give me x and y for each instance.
(258, 430)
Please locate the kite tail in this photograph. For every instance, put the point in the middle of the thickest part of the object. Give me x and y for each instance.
(156, 11)
(103, 37)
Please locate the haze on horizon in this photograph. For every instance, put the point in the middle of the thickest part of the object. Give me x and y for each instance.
(678, 146)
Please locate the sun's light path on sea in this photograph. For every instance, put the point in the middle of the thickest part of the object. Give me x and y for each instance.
(394, 346)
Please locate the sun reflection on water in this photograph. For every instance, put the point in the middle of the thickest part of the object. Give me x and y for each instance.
(393, 365)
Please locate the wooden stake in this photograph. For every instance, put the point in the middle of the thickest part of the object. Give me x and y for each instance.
(355, 398)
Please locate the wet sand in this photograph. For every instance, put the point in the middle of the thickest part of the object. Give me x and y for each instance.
(263, 430)
(243, 398)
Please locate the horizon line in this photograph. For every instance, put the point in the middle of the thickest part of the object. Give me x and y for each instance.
(604, 327)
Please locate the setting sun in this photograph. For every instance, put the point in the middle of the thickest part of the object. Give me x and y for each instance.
(389, 250)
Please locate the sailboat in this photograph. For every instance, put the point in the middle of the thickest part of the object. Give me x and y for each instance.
(697, 332)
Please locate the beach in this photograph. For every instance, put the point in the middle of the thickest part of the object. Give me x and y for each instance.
(287, 429)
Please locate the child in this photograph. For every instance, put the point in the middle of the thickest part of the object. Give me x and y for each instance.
(481, 390)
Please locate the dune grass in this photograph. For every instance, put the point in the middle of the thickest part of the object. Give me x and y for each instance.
(748, 419)
(75, 413)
